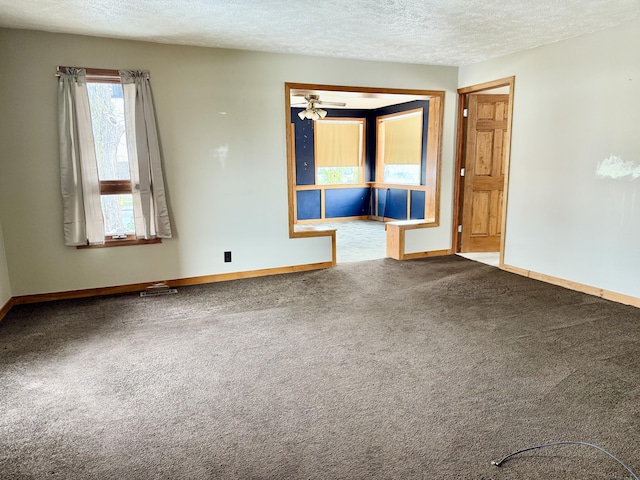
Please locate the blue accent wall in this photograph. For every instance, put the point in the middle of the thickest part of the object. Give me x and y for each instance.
(370, 148)
(346, 202)
(308, 204)
(417, 205)
(397, 204)
(381, 198)
(392, 203)
(305, 159)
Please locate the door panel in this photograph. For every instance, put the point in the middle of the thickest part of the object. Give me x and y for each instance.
(480, 214)
(484, 153)
(484, 173)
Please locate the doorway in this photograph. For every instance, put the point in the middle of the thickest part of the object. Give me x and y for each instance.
(350, 193)
(482, 166)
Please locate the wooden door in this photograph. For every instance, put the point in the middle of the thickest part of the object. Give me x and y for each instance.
(484, 172)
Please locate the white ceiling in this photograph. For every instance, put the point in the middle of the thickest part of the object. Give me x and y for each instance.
(441, 32)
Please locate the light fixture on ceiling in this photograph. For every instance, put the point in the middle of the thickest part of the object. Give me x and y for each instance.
(312, 113)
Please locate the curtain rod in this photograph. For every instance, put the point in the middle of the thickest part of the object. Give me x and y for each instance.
(93, 72)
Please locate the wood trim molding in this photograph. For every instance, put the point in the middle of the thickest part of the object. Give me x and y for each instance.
(5, 309)
(457, 184)
(507, 168)
(349, 88)
(338, 186)
(313, 231)
(432, 253)
(571, 285)
(115, 187)
(180, 282)
(398, 186)
(137, 287)
(395, 241)
(501, 82)
(122, 242)
(291, 167)
(434, 159)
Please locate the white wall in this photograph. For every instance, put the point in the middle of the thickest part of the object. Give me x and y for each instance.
(236, 201)
(5, 286)
(576, 104)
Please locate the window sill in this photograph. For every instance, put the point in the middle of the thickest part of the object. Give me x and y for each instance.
(124, 242)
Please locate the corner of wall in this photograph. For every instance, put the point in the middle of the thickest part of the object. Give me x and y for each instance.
(5, 284)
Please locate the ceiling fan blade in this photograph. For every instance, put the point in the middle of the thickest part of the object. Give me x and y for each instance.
(337, 104)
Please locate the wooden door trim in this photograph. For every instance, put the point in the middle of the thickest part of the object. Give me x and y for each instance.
(460, 143)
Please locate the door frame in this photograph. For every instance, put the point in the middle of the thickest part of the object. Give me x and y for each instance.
(461, 138)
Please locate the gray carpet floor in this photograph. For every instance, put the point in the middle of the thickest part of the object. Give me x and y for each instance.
(425, 369)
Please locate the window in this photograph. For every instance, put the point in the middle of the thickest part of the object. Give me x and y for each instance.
(339, 150)
(399, 150)
(111, 168)
(106, 101)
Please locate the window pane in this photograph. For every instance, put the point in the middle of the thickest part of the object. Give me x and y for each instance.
(336, 175)
(118, 214)
(107, 118)
(404, 174)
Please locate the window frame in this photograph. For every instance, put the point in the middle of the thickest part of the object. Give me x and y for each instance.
(362, 143)
(114, 187)
(380, 164)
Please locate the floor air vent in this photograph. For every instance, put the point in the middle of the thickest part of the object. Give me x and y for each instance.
(157, 289)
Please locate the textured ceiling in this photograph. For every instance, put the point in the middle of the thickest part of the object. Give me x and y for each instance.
(442, 32)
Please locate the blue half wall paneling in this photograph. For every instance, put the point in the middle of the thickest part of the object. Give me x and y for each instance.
(392, 203)
(417, 204)
(381, 201)
(305, 161)
(346, 202)
(308, 204)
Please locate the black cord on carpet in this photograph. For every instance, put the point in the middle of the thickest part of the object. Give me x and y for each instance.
(497, 464)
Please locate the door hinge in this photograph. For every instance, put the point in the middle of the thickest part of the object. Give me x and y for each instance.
(459, 228)
(465, 113)
(462, 172)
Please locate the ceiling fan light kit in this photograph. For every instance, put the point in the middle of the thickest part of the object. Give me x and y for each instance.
(314, 113)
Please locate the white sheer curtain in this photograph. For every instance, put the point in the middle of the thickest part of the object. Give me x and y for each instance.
(83, 220)
(149, 200)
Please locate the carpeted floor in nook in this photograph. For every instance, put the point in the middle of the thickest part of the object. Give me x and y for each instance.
(424, 369)
(359, 240)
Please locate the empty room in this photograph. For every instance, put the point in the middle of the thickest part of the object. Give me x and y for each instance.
(175, 184)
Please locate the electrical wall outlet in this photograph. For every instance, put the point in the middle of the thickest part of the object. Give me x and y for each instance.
(227, 257)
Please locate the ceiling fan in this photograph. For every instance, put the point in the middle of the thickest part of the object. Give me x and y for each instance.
(312, 112)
